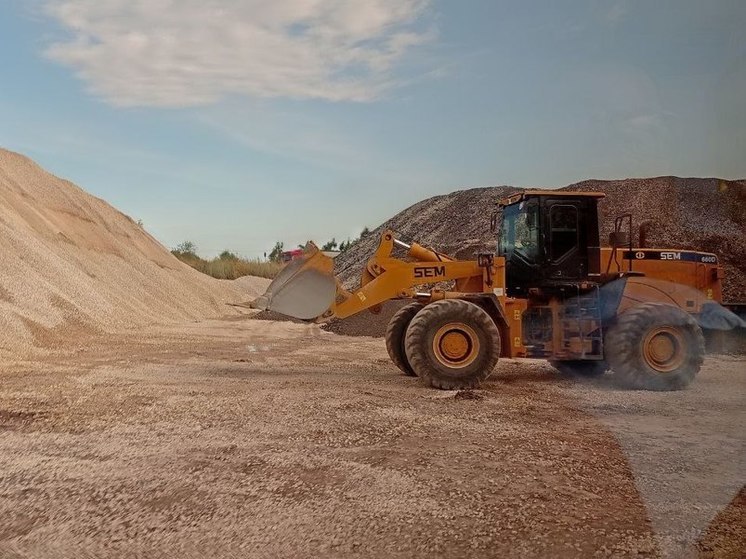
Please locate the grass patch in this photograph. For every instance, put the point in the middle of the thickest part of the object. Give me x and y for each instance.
(230, 267)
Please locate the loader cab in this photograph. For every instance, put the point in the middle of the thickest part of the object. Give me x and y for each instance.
(549, 239)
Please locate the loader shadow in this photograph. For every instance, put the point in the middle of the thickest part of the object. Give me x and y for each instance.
(507, 373)
(520, 373)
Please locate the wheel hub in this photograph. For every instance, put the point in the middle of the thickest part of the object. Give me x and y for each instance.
(663, 349)
(456, 345)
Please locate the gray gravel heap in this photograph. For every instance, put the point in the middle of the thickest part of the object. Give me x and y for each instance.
(706, 214)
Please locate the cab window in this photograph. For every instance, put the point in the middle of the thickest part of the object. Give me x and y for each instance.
(563, 231)
(519, 231)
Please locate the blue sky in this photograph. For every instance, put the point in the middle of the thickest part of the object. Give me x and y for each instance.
(238, 123)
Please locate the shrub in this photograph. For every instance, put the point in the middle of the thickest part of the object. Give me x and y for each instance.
(331, 245)
(226, 266)
(276, 254)
(186, 248)
(227, 255)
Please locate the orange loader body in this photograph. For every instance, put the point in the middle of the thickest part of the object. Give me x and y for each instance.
(550, 292)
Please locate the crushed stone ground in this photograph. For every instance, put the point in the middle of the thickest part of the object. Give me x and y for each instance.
(258, 438)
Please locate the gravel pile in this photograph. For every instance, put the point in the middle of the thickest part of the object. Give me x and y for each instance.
(687, 213)
(365, 323)
(457, 224)
(71, 262)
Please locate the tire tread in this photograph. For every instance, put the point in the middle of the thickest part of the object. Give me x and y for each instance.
(450, 309)
(624, 355)
(395, 334)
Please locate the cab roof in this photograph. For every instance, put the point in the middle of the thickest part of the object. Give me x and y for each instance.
(521, 196)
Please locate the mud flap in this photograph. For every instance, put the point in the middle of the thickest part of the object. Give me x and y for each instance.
(716, 317)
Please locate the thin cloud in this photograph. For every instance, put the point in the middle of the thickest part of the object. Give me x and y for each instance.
(616, 13)
(294, 135)
(196, 52)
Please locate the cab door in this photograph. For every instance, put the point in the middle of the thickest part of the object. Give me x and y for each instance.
(565, 240)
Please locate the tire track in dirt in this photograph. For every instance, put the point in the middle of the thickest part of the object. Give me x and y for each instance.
(161, 442)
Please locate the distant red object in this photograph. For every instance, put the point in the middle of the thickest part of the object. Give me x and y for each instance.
(294, 254)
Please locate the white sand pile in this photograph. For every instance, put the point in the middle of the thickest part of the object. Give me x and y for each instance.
(70, 261)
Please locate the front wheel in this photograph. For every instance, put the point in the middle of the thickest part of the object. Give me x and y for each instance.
(655, 347)
(452, 344)
(395, 333)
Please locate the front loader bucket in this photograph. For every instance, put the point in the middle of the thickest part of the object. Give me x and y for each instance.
(304, 289)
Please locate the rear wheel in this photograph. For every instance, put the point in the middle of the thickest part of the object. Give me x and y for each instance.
(581, 368)
(655, 347)
(452, 344)
(395, 333)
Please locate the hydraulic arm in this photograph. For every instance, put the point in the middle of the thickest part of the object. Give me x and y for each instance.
(307, 288)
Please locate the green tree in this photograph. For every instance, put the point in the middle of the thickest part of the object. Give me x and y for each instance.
(331, 245)
(365, 232)
(276, 253)
(227, 255)
(186, 248)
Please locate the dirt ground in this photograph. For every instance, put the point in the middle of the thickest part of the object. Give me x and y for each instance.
(265, 439)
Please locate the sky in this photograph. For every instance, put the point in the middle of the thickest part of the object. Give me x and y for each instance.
(238, 123)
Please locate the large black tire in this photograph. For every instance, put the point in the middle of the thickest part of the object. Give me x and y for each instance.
(395, 333)
(655, 346)
(452, 344)
(581, 368)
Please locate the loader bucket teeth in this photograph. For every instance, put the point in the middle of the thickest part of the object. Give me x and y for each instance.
(304, 289)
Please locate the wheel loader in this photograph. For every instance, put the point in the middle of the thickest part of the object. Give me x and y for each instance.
(551, 291)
